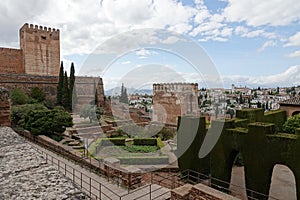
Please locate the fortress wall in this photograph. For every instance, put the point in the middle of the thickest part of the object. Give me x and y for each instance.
(11, 61)
(41, 47)
(26, 82)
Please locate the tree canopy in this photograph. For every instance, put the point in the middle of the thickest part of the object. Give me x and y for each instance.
(292, 124)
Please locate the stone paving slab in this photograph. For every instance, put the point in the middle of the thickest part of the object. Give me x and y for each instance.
(24, 174)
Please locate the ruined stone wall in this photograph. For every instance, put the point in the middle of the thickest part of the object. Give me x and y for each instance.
(11, 61)
(26, 82)
(41, 50)
(174, 99)
(4, 107)
(87, 89)
(85, 86)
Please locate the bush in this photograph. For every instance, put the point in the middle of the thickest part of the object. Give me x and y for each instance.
(112, 141)
(160, 144)
(40, 121)
(145, 141)
(140, 149)
(18, 113)
(92, 112)
(292, 124)
(18, 97)
(165, 134)
(37, 94)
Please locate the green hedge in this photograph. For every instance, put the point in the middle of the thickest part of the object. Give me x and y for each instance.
(112, 141)
(160, 144)
(144, 160)
(278, 117)
(145, 141)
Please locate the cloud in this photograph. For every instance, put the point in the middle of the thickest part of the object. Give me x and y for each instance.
(256, 13)
(247, 33)
(294, 40)
(270, 43)
(126, 62)
(294, 54)
(288, 78)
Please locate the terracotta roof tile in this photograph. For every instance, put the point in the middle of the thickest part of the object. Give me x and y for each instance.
(292, 101)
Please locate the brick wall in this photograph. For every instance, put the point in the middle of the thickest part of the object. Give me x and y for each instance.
(11, 61)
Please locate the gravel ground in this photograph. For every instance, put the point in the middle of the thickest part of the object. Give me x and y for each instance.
(24, 174)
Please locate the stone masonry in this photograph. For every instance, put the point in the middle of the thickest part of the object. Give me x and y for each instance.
(4, 107)
(24, 174)
(39, 53)
(171, 100)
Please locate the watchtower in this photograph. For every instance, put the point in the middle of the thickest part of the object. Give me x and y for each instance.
(41, 50)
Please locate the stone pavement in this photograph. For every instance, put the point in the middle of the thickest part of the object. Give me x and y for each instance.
(99, 187)
(27, 173)
(24, 174)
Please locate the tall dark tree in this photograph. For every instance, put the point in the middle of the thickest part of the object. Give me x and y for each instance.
(60, 84)
(241, 99)
(255, 94)
(124, 96)
(259, 104)
(249, 102)
(65, 100)
(96, 94)
(73, 95)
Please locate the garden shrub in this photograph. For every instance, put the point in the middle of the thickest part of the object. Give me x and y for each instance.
(47, 122)
(144, 160)
(18, 97)
(139, 149)
(112, 141)
(292, 124)
(37, 94)
(145, 141)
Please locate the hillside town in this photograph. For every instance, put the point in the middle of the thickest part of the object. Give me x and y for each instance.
(193, 111)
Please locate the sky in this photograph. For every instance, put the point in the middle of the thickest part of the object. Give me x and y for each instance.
(247, 43)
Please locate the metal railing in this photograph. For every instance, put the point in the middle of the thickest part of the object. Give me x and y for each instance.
(92, 187)
(97, 190)
(193, 177)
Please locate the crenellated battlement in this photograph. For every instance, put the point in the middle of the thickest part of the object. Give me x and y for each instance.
(37, 28)
(39, 52)
(175, 87)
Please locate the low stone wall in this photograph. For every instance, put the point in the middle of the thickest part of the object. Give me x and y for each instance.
(199, 192)
(129, 178)
(4, 107)
(25, 174)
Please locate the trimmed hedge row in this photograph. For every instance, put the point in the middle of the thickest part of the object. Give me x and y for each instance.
(144, 160)
(112, 141)
(145, 141)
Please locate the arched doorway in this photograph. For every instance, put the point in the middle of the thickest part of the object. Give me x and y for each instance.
(283, 184)
(295, 113)
(238, 182)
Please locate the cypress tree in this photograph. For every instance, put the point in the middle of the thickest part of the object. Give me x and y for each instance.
(73, 95)
(124, 96)
(65, 93)
(96, 94)
(60, 84)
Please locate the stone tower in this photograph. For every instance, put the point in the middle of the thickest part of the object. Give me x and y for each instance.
(171, 100)
(41, 50)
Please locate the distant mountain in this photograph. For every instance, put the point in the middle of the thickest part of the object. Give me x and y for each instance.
(117, 91)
